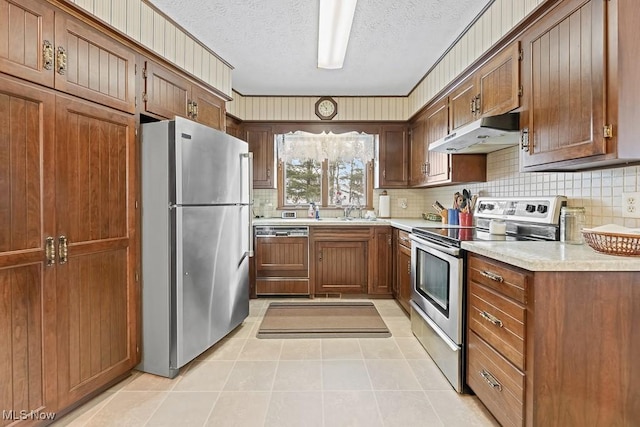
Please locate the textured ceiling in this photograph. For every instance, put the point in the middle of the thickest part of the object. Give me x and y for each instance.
(272, 44)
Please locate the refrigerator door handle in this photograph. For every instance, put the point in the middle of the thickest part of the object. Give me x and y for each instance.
(249, 157)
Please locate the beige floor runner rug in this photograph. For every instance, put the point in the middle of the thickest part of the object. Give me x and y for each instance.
(322, 320)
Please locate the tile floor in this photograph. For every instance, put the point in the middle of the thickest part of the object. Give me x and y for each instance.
(245, 381)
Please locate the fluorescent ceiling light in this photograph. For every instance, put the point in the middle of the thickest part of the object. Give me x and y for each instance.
(336, 17)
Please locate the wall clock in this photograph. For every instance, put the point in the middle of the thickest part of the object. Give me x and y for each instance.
(326, 108)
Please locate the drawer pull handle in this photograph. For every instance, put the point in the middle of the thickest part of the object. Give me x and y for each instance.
(491, 318)
(493, 276)
(491, 380)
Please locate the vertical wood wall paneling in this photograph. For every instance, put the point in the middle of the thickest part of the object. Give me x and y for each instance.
(146, 25)
(158, 33)
(197, 60)
(180, 42)
(170, 41)
(133, 19)
(102, 9)
(188, 54)
(119, 15)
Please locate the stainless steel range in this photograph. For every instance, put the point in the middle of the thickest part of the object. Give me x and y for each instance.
(438, 270)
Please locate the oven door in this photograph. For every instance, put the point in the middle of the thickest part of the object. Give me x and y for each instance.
(437, 282)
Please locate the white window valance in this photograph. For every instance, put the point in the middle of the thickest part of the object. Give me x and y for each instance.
(334, 147)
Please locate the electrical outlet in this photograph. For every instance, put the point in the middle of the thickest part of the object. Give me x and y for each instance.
(631, 205)
(402, 203)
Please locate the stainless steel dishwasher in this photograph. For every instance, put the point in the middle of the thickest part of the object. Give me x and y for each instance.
(282, 260)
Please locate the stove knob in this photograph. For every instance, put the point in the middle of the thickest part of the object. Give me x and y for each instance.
(530, 208)
(542, 209)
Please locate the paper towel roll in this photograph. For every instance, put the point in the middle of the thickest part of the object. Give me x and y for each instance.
(384, 210)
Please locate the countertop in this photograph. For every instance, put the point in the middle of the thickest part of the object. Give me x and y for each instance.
(405, 224)
(532, 256)
(552, 256)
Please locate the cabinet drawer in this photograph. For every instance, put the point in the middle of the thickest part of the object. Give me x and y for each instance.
(282, 287)
(403, 239)
(510, 281)
(496, 382)
(499, 321)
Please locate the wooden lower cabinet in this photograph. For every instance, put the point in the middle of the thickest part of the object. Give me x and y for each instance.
(403, 269)
(553, 348)
(27, 284)
(351, 260)
(381, 281)
(68, 247)
(341, 267)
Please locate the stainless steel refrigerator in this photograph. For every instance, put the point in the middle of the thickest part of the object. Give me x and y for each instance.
(196, 240)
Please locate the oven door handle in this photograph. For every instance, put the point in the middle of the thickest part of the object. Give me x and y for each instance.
(447, 250)
(450, 343)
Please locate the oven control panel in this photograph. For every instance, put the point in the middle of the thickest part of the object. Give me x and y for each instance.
(544, 210)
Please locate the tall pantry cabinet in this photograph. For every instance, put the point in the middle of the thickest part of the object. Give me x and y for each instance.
(68, 246)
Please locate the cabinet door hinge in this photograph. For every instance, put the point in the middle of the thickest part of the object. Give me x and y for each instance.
(144, 73)
(135, 101)
(608, 131)
(520, 91)
(135, 69)
(144, 97)
(520, 54)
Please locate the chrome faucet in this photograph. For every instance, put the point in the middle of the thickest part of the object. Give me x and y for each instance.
(350, 208)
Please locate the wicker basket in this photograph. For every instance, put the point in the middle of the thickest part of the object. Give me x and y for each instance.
(613, 244)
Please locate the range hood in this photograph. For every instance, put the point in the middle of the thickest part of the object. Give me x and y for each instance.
(482, 136)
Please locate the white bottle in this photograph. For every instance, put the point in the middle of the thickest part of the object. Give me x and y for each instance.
(311, 212)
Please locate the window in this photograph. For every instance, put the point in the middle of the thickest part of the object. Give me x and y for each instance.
(326, 169)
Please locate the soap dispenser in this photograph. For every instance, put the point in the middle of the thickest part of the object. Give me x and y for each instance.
(312, 210)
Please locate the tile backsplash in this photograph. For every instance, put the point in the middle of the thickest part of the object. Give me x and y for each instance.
(599, 191)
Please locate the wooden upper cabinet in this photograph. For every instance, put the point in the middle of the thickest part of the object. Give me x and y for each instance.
(393, 157)
(419, 155)
(463, 104)
(565, 97)
(498, 83)
(53, 49)
(27, 40)
(207, 108)
(167, 95)
(92, 65)
(234, 128)
(441, 168)
(437, 127)
(261, 144)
